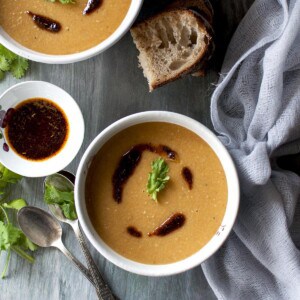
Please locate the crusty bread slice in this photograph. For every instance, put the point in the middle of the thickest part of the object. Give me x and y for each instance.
(171, 44)
(203, 7)
(205, 11)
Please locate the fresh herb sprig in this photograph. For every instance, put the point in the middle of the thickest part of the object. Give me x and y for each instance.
(11, 62)
(157, 178)
(11, 237)
(63, 1)
(64, 199)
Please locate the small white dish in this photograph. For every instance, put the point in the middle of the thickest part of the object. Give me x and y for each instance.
(40, 89)
(124, 27)
(231, 209)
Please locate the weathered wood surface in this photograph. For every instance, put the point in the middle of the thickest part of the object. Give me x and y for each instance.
(108, 87)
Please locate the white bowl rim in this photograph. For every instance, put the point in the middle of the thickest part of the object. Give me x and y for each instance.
(80, 134)
(11, 44)
(216, 241)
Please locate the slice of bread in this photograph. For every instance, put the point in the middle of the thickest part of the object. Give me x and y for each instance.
(202, 7)
(171, 44)
(205, 11)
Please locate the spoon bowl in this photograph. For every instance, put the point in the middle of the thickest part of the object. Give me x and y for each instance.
(45, 231)
(39, 226)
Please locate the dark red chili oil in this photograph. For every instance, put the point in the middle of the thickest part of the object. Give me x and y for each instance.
(130, 160)
(187, 176)
(174, 222)
(38, 129)
(45, 23)
(134, 232)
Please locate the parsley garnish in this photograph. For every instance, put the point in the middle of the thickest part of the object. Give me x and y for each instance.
(11, 237)
(64, 199)
(157, 178)
(11, 62)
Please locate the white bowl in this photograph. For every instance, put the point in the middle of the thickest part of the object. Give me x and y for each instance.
(17, 48)
(231, 209)
(39, 89)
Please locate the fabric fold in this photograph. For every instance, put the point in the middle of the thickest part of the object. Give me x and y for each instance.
(256, 111)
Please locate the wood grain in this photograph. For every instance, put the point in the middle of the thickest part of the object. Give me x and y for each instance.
(108, 87)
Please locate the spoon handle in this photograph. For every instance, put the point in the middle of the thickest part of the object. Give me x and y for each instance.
(102, 289)
(59, 244)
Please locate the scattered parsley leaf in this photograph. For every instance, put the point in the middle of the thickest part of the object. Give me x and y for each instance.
(11, 237)
(18, 67)
(7, 53)
(7, 176)
(64, 199)
(15, 204)
(9, 61)
(158, 178)
(4, 64)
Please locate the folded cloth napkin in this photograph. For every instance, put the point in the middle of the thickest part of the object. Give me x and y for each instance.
(256, 111)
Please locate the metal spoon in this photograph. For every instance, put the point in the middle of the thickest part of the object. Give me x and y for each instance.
(64, 180)
(45, 231)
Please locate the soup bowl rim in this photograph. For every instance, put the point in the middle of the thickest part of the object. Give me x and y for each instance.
(7, 41)
(231, 208)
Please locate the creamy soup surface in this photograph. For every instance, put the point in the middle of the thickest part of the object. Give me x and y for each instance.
(203, 206)
(79, 32)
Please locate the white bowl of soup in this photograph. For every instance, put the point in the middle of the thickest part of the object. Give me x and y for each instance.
(175, 229)
(70, 34)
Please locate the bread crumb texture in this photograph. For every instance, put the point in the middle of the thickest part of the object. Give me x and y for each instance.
(171, 44)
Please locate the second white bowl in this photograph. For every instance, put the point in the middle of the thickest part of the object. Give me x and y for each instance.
(17, 48)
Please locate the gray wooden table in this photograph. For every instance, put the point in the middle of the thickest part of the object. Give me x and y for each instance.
(107, 88)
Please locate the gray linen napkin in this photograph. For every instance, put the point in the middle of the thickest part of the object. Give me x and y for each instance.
(256, 110)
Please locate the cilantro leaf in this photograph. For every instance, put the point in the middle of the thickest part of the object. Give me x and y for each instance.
(15, 204)
(64, 199)
(8, 176)
(158, 178)
(9, 235)
(7, 54)
(4, 64)
(25, 243)
(18, 67)
(10, 61)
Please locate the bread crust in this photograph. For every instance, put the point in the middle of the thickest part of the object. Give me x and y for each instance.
(199, 65)
(195, 66)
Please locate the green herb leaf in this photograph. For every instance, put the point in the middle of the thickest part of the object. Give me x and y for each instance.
(9, 61)
(15, 204)
(18, 67)
(8, 176)
(11, 237)
(7, 54)
(4, 64)
(158, 178)
(64, 199)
